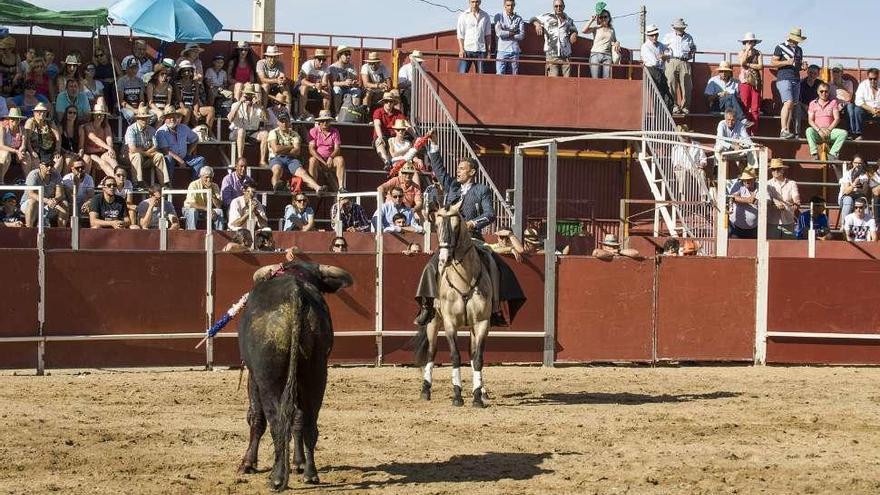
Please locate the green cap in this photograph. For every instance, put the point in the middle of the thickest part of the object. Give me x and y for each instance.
(600, 6)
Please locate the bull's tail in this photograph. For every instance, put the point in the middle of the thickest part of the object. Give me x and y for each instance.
(419, 344)
(287, 405)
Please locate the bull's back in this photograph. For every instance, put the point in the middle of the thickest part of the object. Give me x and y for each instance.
(265, 333)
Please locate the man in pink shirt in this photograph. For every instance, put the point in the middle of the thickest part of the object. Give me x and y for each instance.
(824, 115)
(325, 153)
(412, 193)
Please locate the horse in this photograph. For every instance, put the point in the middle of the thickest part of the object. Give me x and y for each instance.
(285, 338)
(464, 300)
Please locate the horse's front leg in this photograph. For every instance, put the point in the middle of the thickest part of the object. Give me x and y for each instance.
(478, 346)
(456, 362)
(433, 328)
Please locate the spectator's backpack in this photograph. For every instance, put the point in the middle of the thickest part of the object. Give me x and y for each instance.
(351, 113)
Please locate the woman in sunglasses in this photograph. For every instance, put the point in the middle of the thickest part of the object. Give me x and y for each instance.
(606, 48)
(71, 138)
(338, 245)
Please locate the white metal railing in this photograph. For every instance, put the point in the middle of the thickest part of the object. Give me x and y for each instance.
(673, 173)
(428, 112)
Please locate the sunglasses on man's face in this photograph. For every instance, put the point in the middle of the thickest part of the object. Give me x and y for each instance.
(396, 196)
(340, 246)
(860, 207)
(120, 175)
(300, 200)
(110, 186)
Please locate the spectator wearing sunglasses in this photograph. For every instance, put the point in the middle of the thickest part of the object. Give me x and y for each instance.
(559, 34)
(867, 103)
(859, 226)
(823, 116)
(338, 245)
(298, 215)
(108, 209)
(395, 216)
(606, 49)
(78, 181)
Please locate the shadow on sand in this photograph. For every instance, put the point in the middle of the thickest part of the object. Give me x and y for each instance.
(623, 398)
(491, 466)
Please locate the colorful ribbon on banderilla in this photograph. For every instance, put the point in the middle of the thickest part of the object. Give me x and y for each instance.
(231, 313)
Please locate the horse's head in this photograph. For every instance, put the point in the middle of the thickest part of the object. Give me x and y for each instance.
(449, 228)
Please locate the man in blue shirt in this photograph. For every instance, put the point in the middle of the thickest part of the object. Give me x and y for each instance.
(178, 142)
(387, 214)
(788, 60)
(509, 31)
(815, 215)
(73, 96)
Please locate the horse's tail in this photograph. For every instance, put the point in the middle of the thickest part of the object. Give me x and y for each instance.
(419, 345)
(287, 403)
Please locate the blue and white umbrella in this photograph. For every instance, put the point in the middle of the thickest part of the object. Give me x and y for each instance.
(168, 20)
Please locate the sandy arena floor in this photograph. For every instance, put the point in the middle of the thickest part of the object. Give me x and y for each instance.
(566, 430)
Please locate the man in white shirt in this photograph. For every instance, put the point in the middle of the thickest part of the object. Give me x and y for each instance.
(689, 166)
(860, 226)
(722, 92)
(867, 103)
(247, 122)
(473, 31)
(744, 219)
(509, 31)
(559, 34)
(678, 69)
(404, 79)
(654, 56)
(375, 78)
(245, 212)
(785, 202)
(312, 82)
(737, 139)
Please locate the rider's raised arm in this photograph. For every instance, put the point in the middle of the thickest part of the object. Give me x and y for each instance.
(436, 162)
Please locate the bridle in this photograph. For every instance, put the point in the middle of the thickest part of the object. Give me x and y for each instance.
(449, 240)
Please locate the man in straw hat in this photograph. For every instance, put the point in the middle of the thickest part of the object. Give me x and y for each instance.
(610, 248)
(744, 217)
(325, 151)
(12, 143)
(375, 78)
(654, 56)
(405, 76)
(682, 49)
(247, 122)
(191, 52)
(384, 118)
(343, 79)
(412, 192)
(284, 149)
(788, 60)
(722, 92)
(178, 143)
(786, 202)
(143, 153)
(271, 75)
(311, 82)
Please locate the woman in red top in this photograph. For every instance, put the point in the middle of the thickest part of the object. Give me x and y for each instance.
(241, 68)
(325, 153)
(98, 142)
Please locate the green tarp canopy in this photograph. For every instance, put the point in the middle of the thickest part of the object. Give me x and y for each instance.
(19, 13)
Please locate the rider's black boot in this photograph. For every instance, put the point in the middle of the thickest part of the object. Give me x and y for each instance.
(497, 319)
(426, 314)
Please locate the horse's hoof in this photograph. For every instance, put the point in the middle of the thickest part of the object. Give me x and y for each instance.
(247, 469)
(426, 390)
(311, 479)
(457, 402)
(300, 468)
(478, 399)
(277, 485)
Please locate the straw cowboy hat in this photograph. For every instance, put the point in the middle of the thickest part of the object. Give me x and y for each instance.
(777, 163)
(100, 109)
(416, 55)
(15, 113)
(400, 125)
(651, 30)
(248, 89)
(242, 45)
(796, 35)
(170, 112)
(746, 175)
(143, 113)
(373, 58)
(407, 168)
(71, 60)
(682, 128)
(190, 47)
(158, 68)
(610, 240)
(750, 36)
(679, 24)
(388, 96)
(724, 66)
(7, 42)
(41, 107)
(320, 53)
(342, 49)
(272, 51)
(280, 98)
(324, 116)
(530, 236)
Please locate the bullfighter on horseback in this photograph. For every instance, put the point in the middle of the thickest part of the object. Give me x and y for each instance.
(478, 212)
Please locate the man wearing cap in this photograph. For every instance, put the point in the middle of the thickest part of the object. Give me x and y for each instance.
(190, 53)
(823, 116)
(814, 219)
(54, 206)
(284, 152)
(73, 96)
(405, 77)
(750, 78)
(384, 118)
(744, 218)
(412, 192)
(196, 205)
(375, 78)
(788, 60)
(139, 56)
(654, 56)
(245, 212)
(177, 142)
(130, 90)
(509, 31)
(785, 202)
(325, 151)
(681, 48)
(609, 248)
(247, 122)
(860, 226)
(312, 81)
(473, 32)
(559, 34)
(343, 78)
(867, 103)
(271, 75)
(722, 92)
(10, 215)
(733, 139)
(143, 152)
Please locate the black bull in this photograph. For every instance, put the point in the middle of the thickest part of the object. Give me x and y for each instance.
(285, 338)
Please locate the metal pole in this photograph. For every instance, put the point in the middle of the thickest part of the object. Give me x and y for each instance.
(41, 280)
(763, 265)
(209, 278)
(380, 268)
(518, 219)
(74, 220)
(550, 262)
(643, 16)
